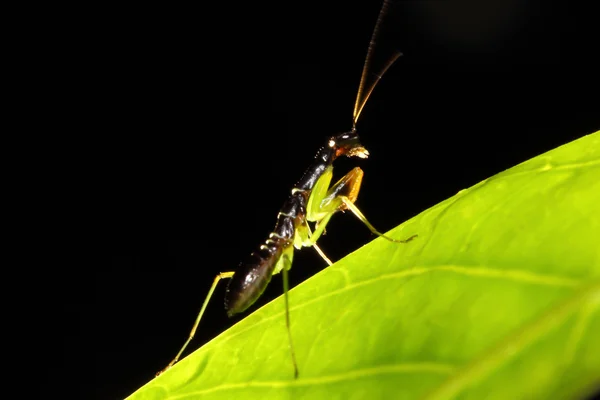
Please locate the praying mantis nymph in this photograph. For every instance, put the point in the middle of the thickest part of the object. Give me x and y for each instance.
(312, 200)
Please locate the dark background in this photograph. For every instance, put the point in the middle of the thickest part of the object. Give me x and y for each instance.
(204, 119)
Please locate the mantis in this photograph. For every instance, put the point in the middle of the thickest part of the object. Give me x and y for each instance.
(313, 200)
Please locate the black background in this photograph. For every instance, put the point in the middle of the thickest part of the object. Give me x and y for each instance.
(204, 118)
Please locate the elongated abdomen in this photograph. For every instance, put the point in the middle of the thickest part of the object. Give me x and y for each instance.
(251, 278)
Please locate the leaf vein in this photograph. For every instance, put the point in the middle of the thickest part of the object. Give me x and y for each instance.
(488, 362)
(514, 275)
(411, 368)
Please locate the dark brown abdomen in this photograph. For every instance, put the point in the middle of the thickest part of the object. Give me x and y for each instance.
(251, 278)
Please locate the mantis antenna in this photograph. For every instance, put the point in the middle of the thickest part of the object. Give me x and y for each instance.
(364, 92)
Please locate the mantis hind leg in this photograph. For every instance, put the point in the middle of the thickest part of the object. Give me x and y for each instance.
(286, 264)
(339, 197)
(222, 275)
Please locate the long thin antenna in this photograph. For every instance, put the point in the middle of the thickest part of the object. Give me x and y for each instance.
(362, 96)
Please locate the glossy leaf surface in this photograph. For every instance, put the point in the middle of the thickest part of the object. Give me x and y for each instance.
(497, 298)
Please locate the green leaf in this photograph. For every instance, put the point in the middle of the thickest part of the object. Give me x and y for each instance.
(497, 298)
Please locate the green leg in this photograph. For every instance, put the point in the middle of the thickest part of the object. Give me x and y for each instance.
(222, 275)
(305, 235)
(341, 203)
(320, 226)
(352, 207)
(341, 196)
(322, 254)
(285, 270)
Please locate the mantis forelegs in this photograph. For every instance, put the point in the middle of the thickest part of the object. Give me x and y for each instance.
(324, 202)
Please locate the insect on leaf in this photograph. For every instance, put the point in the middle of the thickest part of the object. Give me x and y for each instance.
(497, 298)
